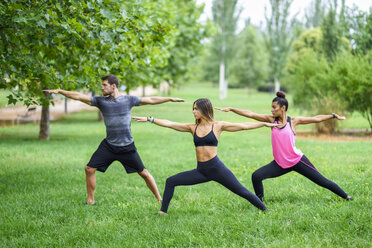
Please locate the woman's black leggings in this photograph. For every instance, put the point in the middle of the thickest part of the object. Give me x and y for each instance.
(304, 167)
(211, 170)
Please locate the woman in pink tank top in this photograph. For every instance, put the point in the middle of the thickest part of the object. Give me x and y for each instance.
(287, 157)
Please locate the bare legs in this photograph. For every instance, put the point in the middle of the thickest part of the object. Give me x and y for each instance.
(150, 182)
(91, 183)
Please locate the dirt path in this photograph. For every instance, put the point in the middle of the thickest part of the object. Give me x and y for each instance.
(362, 136)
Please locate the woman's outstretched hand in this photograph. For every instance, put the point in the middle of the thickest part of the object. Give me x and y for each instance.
(341, 118)
(139, 119)
(268, 124)
(224, 109)
(52, 91)
(176, 99)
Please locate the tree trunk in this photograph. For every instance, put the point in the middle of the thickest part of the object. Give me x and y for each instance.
(143, 91)
(66, 104)
(170, 83)
(44, 121)
(222, 83)
(277, 84)
(225, 87)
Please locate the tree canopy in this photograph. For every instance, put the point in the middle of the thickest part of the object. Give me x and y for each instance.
(69, 44)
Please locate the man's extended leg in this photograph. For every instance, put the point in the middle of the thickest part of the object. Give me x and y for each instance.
(91, 183)
(150, 181)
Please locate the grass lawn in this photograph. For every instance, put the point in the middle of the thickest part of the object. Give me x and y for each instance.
(42, 186)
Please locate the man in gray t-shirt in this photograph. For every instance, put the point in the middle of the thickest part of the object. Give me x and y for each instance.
(118, 144)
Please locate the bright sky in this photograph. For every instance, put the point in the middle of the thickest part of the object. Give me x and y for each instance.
(255, 9)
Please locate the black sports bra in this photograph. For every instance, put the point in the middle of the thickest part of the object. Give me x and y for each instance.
(208, 140)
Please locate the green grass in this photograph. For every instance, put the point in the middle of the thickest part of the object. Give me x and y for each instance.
(42, 187)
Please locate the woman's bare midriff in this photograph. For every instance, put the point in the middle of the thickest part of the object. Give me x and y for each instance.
(205, 153)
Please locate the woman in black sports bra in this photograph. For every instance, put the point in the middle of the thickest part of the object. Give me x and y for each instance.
(206, 132)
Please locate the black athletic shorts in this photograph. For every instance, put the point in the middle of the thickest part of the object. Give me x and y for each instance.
(105, 154)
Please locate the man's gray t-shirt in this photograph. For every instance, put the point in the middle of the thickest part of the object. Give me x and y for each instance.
(117, 116)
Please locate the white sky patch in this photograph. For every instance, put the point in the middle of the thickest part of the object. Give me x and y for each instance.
(255, 9)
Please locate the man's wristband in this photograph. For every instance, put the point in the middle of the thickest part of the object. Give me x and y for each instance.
(334, 115)
(151, 119)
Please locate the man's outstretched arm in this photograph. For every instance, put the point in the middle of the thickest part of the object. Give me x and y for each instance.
(73, 95)
(158, 100)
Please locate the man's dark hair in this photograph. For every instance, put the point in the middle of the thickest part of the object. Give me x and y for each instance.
(111, 79)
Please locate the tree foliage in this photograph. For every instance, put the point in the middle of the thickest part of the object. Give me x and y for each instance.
(328, 76)
(311, 40)
(250, 64)
(358, 26)
(225, 15)
(354, 76)
(278, 37)
(314, 14)
(69, 44)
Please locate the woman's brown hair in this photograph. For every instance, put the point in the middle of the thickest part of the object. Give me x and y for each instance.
(205, 107)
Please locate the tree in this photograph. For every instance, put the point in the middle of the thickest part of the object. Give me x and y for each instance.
(314, 14)
(250, 65)
(310, 40)
(186, 42)
(331, 32)
(278, 37)
(225, 16)
(326, 77)
(209, 62)
(354, 74)
(358, 26)
(69, 44)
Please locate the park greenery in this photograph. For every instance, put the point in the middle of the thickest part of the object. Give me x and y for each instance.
(70, 44)
(324, 59)
(43, 186)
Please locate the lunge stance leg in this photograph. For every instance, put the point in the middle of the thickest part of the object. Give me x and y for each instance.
(90, 177)
(150, 182)
(184, 178)
(307, 169)
(224, 176)
(270, 170)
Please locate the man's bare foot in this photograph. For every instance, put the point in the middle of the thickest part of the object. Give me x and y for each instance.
(348, 198)
(161, 213)
(90, 203)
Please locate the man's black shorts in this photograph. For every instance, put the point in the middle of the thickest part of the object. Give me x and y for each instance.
(105, 154)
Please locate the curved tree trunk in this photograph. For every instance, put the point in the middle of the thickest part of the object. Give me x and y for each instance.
(44, 123)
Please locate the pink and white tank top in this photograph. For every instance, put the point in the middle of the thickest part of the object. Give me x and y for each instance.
(283, 142)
